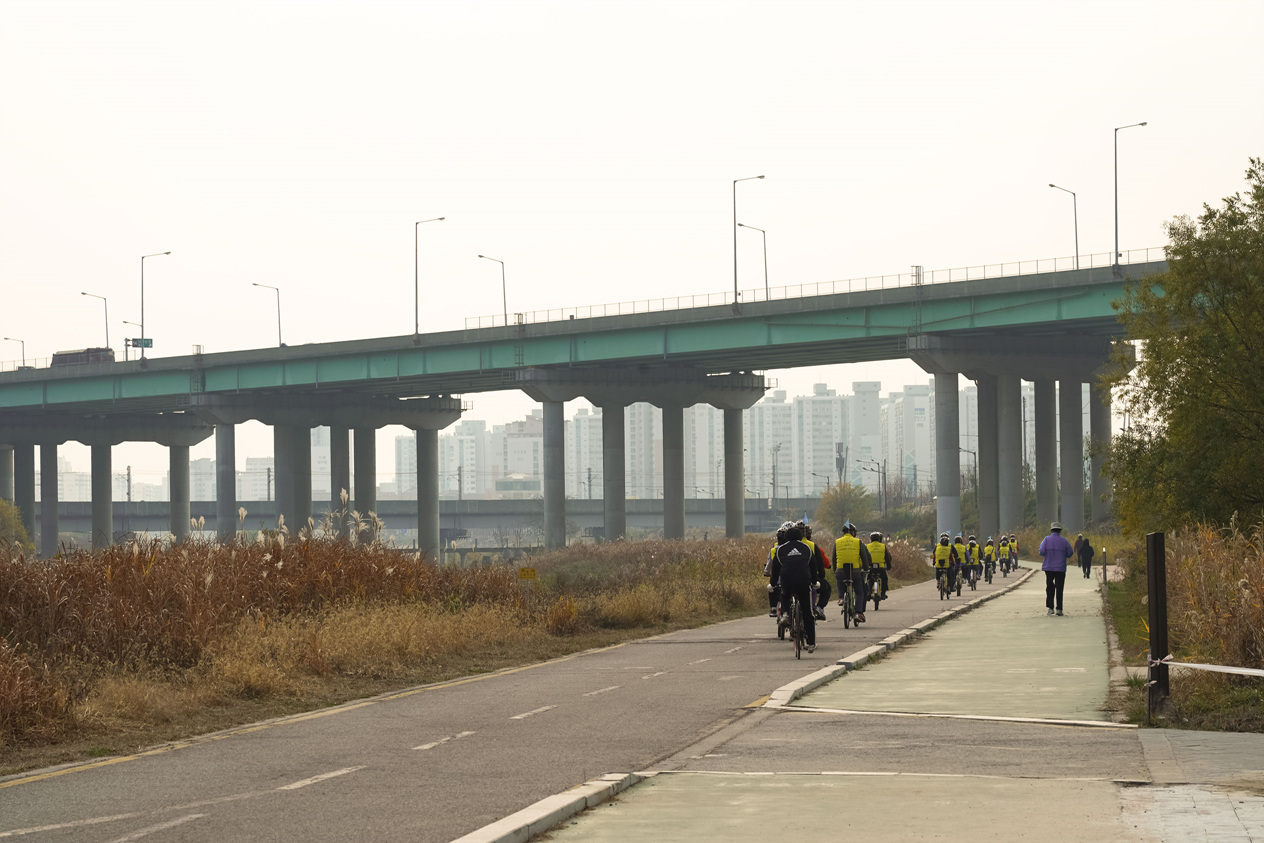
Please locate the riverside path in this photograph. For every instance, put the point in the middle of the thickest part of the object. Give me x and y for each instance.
(438, 762)
(990, 727)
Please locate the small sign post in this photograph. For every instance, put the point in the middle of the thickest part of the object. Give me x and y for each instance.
(525, 576)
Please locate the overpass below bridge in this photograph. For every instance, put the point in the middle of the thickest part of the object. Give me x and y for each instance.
(1048, 325)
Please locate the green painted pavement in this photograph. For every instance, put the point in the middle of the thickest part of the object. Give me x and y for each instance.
(1006, 658)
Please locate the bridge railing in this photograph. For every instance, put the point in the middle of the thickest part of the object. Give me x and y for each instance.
(823, 288)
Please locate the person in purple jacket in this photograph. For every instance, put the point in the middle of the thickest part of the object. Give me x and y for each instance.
(1056, 551)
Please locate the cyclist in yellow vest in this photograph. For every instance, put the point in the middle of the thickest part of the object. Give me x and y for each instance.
(945, 559)
(822, 590)
(851, 557)
(881, 561)
(989, 554)
(959, 545)
(974, 560)
(1013, 552)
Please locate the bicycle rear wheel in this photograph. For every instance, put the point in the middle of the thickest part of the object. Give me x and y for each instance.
(796, 627)
(849, 609)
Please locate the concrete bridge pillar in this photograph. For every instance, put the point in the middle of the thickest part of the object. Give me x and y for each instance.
(673, 472)
(226, 481)
(48, 501)
(554, 474)
(302, 462)
(989, 493)
(179, 474)
(614, 481)
(1099, 429)
(734, 480)
(1046, 453)
(283, 474)
(1009, 445)
(339, 465)
(365, 447)
(1071, 427)
(102, 497)
(24, 485)
(947, 453)
(428, 493)
(6, 473)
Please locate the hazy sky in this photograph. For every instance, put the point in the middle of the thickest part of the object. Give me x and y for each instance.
(591, 146)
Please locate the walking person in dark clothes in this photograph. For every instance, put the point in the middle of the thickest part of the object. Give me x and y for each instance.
(1056, 551)
(1085, 553)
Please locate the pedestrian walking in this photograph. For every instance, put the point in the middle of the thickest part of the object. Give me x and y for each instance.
(1085, 553)
(1056, 551)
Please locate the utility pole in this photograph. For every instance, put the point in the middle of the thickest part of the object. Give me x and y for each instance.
(590, 482)
(776, 449)
(269, 470)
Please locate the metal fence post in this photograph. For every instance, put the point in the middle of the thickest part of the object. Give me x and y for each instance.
(1156, 583)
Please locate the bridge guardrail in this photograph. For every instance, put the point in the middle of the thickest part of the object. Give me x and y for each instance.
(823, 288)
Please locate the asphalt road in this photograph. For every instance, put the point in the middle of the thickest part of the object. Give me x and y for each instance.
(433, 763)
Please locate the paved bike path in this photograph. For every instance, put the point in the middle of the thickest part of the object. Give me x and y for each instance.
(933, 771)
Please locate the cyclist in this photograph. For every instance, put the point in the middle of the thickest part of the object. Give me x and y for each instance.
(1003, 547)
(881, 561)
(959, 546)
(1013, 552)
(989, 555)
(779, 538)
(974, 562)
(945, 556)
(822, 591)
(794, 568)
(852, 557)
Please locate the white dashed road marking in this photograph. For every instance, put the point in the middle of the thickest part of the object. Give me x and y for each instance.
(603, 690)
(320, 778)
(433, 744)
(527, 714)
(145, 832)
(652, 675)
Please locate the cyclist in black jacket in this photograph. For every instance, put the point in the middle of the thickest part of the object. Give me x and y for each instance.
(795, 567)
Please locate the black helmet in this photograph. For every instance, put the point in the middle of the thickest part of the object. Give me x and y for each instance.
(875, 537)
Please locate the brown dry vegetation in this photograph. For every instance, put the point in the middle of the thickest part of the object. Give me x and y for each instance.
(1215, 599)
(157, 642)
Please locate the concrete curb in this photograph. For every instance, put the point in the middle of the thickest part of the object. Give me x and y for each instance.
(543, 815)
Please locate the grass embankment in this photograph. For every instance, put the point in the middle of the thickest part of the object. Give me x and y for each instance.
(1215, 599)
(102, 653)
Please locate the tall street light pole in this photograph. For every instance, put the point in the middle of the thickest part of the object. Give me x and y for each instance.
(107, 315)
(735, 181)
(1115, 262)
(278, 294)
(416, 287)
(764, 234)
(14, 339)
(142, 298)
(503, 296)
(1075, 213)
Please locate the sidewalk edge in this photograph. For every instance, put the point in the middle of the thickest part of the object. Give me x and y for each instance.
(534, 819)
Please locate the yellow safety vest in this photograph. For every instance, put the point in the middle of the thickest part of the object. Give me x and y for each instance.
(878, 552)
(943, 553)
(847, 552)
(989, 553)
(972, 554)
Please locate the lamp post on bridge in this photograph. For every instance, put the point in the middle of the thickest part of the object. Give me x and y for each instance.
(764, 235)
(14, 339)
(142, 298)
(127, 342)
(278, 295)
(503, 295)
(107, 315)
(1115, 262)
(416, 277)
(1075, 213)
(735, 181)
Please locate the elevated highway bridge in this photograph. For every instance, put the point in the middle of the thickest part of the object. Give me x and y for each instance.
(996, 325)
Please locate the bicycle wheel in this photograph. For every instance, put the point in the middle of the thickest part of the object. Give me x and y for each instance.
(849, 608)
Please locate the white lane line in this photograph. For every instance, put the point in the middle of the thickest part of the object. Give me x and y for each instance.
(734, 650)
(455, 737)
(700, 661)
(652, 675)
(145, 832)
(320, 778)
(603, 690)
(18, 832)
(527, 714)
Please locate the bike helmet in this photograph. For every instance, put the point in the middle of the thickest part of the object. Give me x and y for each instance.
(972, 538)
(875, 537)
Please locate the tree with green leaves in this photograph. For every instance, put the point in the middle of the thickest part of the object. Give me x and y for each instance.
(1194, 448)
(844, 502)
(11, 529)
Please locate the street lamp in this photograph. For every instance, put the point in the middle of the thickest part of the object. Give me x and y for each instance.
(1075, 215)
(735, 181)
(504, 298)
(142, 297)
(12, 339)
(765, 237)
(880, 469)
(107, 315)
(127, 343)
(278, 292)
(1117, 130)
(416, 288)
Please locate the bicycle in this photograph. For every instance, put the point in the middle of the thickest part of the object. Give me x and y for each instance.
(795, 626)
(973, 579)
(847, 599)
(988, 565)
(875, 587)
(941, 579)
